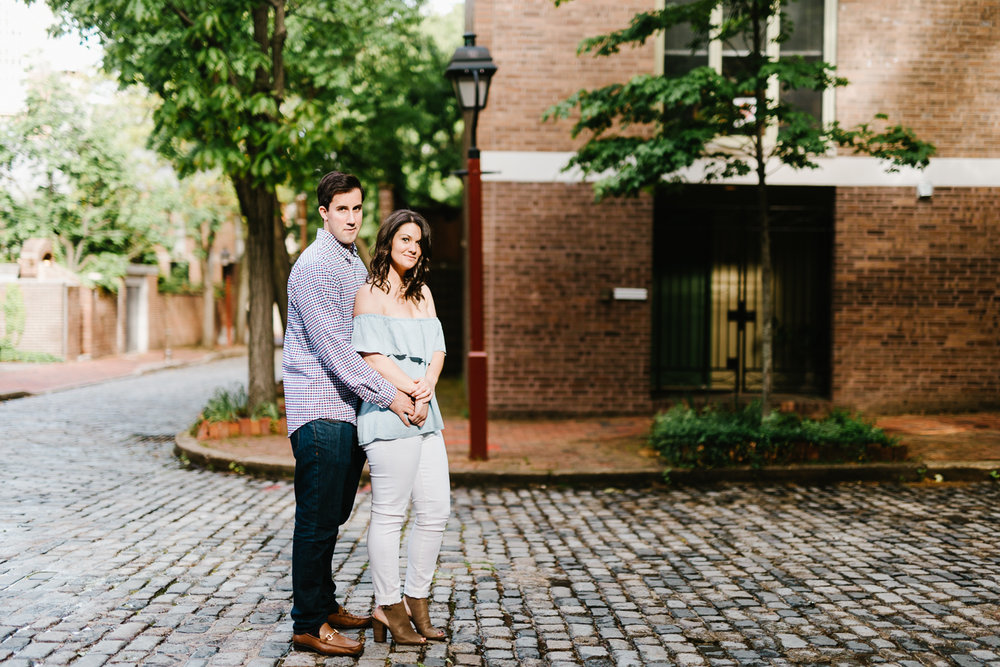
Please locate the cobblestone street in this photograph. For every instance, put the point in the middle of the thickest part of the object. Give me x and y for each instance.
(111, 551)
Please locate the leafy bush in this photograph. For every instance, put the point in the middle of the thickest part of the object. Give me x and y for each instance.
(267, 409)
(226, 405)
(714, 438)
(177, 282)
(23, 356)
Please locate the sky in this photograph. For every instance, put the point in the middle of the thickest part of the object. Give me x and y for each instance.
(24, 43)
(441, 6)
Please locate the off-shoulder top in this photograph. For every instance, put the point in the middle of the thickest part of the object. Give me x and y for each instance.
(411, 343)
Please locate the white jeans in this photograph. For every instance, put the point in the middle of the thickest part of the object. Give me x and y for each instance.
(414, 467)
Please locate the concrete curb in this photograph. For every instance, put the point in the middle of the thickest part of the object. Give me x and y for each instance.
(950, 471)
(187, 446)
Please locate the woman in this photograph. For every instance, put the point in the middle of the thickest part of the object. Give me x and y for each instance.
(398, 333)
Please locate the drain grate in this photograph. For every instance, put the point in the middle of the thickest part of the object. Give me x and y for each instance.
(153, 437)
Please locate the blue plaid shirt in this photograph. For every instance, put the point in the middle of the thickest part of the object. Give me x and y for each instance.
(323, 374)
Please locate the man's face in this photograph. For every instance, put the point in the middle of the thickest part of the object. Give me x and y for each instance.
(343, 217)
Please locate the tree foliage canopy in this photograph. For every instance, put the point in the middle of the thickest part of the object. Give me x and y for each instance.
(279, 92)
(74, 168)
(68, 174)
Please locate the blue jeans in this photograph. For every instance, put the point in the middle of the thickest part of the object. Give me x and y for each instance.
(328, 463)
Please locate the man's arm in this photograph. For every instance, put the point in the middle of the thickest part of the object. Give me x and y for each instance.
(328, 329)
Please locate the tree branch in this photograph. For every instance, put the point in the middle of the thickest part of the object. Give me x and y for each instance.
(181, 14)
(278, 50)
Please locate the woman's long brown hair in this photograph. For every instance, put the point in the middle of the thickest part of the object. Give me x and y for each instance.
(415, 278)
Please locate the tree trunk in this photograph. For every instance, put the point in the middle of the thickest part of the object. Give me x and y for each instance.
(257, 205)
(758, 17)
(767, 300)
(281, 267)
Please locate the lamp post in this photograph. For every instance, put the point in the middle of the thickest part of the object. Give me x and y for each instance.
(470, 71)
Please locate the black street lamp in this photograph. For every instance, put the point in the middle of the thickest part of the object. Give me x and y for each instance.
(470, 71)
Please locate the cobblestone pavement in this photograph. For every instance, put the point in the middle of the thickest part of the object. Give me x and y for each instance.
(112, 552)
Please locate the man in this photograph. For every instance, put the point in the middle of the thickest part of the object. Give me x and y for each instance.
(324, 377)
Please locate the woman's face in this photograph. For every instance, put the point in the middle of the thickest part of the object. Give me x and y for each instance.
(405, 251)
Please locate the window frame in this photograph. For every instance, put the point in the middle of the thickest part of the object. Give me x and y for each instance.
(715, 53)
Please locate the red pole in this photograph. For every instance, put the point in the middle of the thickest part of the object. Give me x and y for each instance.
(477, 346)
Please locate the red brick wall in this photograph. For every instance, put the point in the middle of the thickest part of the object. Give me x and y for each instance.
(554, 345)
(916, 303)
(916, 285)
(534, 44)
(931, 65)
(45, 313)
(174, 319)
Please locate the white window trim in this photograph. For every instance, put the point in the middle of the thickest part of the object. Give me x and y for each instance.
(833, 171)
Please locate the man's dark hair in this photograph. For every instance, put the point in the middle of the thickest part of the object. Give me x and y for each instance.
(336, 183)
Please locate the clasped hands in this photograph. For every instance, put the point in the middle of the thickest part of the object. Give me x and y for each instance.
(412, 406)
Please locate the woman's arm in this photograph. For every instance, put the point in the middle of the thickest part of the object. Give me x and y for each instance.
(434, 369)
(387, 368)
(422, 406)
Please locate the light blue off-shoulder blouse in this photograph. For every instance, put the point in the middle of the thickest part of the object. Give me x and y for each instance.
(410, 342)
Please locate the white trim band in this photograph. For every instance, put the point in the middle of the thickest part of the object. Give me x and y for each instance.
(844, 171)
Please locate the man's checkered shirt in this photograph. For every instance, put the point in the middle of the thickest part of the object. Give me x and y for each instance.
(323, 373)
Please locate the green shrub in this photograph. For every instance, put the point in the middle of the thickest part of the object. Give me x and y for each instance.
(8, 354)
(713, 438)
(266, 409)
(226, 405)
(177, 282)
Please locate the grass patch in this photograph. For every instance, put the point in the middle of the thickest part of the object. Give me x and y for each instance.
(8, 354)
(450, 392)
(714, 438)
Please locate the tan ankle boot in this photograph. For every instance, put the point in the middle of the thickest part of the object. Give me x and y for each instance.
(421, 616)
(398, 623)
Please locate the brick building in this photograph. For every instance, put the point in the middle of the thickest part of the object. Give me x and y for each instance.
(885, 301)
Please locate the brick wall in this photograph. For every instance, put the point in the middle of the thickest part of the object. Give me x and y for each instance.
(912, 60)
(174, 319)
(45, 313)
(534, 44)
(554, 345)
(916, 284)
(931, 65)
(916, 303)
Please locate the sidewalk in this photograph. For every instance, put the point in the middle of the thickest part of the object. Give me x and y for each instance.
(613, 451)
(24, 379)
(604, 451)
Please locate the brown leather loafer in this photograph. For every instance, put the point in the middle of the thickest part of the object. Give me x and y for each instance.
(345, 620)
(329, 642)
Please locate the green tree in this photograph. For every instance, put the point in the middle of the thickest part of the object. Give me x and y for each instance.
(66, 175)
(648, 130)
(271, 93)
